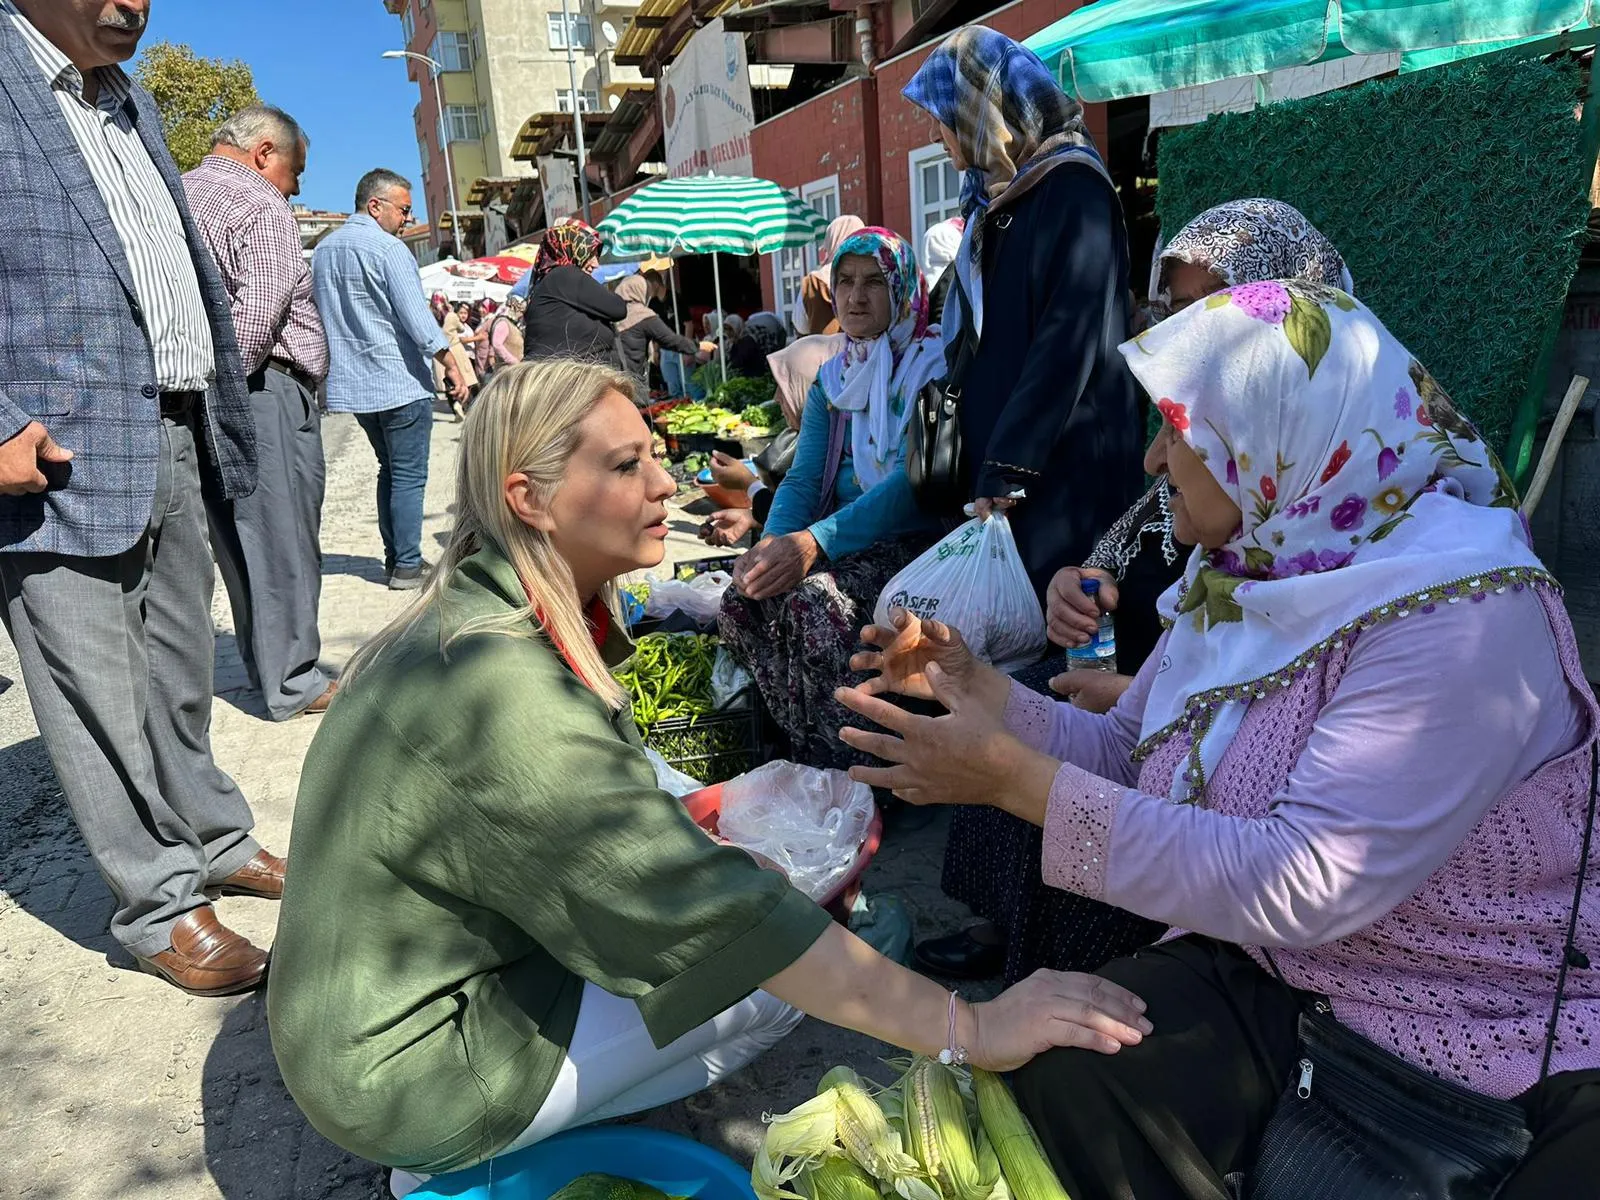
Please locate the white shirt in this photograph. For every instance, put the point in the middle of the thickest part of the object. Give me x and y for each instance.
(141, 207)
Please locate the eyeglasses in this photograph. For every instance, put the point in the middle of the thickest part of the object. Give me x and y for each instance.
(405, 209)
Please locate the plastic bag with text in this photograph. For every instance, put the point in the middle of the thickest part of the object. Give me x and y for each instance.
(974, 581)
(809, 822)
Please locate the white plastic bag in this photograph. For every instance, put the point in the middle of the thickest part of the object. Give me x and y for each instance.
(973, 580)
(810, 823)
(669, 778)
(730, 683)
(701, 597)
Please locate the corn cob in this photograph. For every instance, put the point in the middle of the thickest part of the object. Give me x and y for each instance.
(936, 1127)
(1027, 1171)
(867, 1138)
(837, 1178)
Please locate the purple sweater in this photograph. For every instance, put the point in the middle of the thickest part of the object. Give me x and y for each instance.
(1402, 826)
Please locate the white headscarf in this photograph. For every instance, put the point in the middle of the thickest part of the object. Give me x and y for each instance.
(1365, 497)
(939, 247)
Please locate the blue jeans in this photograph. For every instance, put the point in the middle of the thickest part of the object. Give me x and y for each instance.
(400, 438)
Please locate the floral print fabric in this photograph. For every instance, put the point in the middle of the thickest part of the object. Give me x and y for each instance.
(568, 243)
(1244, 241)
(1357, 480)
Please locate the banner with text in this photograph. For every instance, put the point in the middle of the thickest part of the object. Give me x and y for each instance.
(708, 111)
(559, 180)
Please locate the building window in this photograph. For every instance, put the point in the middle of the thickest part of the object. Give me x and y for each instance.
(408, 26)
(463, 122)
(591, 100)
(790, 266)
(581, 36)
(452, 51)
(935, 190)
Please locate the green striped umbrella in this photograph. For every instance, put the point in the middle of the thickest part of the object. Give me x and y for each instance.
(711, 214)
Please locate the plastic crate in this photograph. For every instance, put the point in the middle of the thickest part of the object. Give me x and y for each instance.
(713, 747)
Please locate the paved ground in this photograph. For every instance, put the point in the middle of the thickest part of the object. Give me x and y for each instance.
(113, 1084)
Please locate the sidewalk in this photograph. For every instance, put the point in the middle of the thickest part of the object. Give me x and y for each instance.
(118, 1086)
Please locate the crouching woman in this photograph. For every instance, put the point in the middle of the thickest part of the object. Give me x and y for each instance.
(496, 927)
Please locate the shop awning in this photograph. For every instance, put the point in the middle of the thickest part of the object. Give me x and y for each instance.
(661, 28)
(1119, 48)
(544, 132)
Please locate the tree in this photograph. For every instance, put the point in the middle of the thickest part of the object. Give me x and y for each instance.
(194, 94)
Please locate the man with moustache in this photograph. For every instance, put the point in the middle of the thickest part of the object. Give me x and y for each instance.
(121, 393)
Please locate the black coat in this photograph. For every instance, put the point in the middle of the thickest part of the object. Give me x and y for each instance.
(1048, 403)
(633, 344)
(570, 315)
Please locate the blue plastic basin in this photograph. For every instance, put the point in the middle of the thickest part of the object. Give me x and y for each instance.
(676, 1165)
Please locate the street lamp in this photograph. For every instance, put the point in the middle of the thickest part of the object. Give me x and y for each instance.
(444, 139)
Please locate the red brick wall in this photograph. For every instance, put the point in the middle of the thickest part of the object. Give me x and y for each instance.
(863, 132)
(829, 135)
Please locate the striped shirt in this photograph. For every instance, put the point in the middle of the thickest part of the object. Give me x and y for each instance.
(142, 211)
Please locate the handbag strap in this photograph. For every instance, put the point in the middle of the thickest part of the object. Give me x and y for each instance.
(1571, 956)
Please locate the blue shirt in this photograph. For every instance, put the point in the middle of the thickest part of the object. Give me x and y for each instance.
(859, 519)
(381, 335)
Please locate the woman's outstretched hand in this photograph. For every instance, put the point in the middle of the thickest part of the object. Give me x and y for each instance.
(1055, 1008)
(904, 650)
(964, 757)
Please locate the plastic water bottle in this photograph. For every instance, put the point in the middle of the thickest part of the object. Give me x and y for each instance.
(1101, 653)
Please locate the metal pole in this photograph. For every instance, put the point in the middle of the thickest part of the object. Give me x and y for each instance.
(577, 111)
(661, 107)
(722, 327)
(449, 165)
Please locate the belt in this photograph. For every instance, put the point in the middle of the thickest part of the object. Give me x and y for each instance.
(179, 404)
(285, 367)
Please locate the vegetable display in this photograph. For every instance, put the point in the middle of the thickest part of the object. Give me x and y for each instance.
(743, 392)
(700, 418)
(939, 1133)
(766, 415)
(669, 676)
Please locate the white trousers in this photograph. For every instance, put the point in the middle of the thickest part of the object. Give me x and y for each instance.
(613, 1068)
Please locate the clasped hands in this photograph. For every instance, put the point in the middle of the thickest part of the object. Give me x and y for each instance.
(963, 757)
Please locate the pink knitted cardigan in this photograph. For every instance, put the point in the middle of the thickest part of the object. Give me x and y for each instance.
(1458, 979)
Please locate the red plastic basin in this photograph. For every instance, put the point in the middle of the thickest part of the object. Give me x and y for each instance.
(706, 804)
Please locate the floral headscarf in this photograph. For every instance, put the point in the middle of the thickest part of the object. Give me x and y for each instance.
(877, 379)
(1365, 496)
(571, 243)
(1246, 241)
(1012, 121)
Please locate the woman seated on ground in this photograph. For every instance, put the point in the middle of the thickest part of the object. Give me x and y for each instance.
(1364, 747)
(570, 314)
(764, 334)
(992, 859)
(844, 520)
(641, 329)
(496, 926)
(794, 369)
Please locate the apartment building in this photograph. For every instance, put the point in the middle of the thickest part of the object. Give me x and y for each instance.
(500, 62)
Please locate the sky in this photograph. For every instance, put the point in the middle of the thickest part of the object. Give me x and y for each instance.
(318, 60)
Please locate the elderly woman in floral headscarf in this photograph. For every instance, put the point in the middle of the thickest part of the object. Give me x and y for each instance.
(1049, 418)
(844, 519)
(570, 314)
(1358, 766)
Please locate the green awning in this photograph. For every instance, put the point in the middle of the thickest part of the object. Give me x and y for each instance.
(1117, 48)
(711, 214)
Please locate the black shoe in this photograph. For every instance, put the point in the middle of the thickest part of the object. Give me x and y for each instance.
(961, 956)
(408, 579)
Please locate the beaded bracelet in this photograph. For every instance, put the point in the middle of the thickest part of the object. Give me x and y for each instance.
(952, 1054)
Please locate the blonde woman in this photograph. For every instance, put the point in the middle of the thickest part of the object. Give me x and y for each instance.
(496, 927)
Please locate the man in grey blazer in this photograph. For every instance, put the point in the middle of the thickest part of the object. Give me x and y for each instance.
(121, 394)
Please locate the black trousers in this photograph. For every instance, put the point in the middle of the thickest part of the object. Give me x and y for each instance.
(1169, 1118)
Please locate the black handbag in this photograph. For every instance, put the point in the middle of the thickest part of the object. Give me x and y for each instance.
(934, 465)
(1360, 1123)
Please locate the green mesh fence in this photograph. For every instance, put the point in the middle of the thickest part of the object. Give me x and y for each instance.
(1458, 197)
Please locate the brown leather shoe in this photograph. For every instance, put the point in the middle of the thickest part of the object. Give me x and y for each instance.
(320, 704)
(261, 877)
(207, 958)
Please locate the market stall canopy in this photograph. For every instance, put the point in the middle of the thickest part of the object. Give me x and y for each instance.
(1119, 48)
(711, 214)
